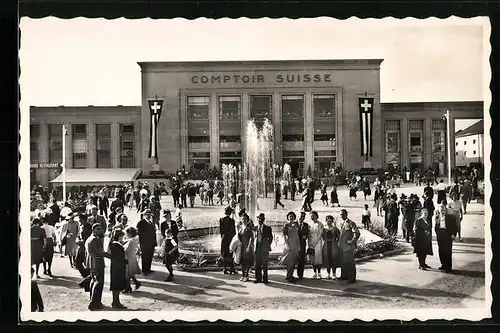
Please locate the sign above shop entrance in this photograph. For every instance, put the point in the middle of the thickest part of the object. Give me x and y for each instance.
(261, 79)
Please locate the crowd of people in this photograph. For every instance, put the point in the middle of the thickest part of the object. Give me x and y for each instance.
(78, 230)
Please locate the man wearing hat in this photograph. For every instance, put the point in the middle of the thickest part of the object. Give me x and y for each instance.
(147, 240)
(263, 242)
(303, 235)
(227, 231)
(95, 218)
(404, 207)
(94, 260)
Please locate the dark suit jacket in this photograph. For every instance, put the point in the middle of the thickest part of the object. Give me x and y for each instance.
(303, 234)
(146, 231)
(103, 203)
(267, 238)
(227, 228)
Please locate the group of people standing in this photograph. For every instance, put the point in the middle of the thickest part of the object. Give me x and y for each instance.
(329, 246)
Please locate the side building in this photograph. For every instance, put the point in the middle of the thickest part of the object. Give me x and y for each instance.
(469, 145)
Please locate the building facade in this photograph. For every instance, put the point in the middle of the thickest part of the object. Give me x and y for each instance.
(469, 145)
(312, 106)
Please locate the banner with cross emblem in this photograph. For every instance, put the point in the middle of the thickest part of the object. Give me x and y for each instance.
(366, 125)
(155, 107)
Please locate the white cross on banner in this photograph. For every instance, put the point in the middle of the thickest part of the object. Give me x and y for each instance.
(366, 125)
(155, 107)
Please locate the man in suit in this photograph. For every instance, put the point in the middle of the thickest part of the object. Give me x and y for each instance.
(147, 240)
(95, 218)
(94, 260)
(349, 235)
(303, 235)
(262, 248)
(227, 231)
(446, 228)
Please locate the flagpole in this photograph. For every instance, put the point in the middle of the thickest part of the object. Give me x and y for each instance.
(448, 138)
(64, 162)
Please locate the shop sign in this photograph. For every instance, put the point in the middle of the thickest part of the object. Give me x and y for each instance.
(44, 165)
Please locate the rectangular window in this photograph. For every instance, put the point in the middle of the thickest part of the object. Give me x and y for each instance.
(392, 143)
(198, 107)
(127, 146)
(80, 146)
(261, 109)
(292, 107)
(324, 117)
(103, 145)
(55, 143)
(229, 108)
(34, 137)
(199, 161)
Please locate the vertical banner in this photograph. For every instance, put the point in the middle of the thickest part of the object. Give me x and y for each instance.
(366, 125)
(155, 107)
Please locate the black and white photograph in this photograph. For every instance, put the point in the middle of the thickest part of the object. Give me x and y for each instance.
(261, 169)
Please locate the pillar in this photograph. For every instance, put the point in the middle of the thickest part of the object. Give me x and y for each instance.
(452, 143)
(115, 145)
(214, 131)
(277, 125)
(308, 133)
(245, 115)
(92, 146)
(69, 146)
(405, 155)
(427, 142)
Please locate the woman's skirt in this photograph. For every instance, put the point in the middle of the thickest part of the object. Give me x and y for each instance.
(352, 193)
(71, 247)
(335, 199)
(324, 197)
(36, 251)
(48, 253)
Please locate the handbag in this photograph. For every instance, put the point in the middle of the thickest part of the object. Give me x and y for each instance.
(310, 251)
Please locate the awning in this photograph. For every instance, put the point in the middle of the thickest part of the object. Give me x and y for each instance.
(97, 176)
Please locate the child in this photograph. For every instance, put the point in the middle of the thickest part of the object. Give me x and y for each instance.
(171, 254)
(131, 247)
(365, 217)
(36, 297)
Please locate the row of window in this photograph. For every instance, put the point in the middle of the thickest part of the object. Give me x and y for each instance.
(465, 142)
(465, 153)
(415, 141)
(80, 145)
(292, 107)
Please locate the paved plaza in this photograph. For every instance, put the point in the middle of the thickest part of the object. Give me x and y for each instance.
(389, 282)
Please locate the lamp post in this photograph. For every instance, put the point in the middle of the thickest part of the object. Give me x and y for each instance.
(64, 133)
(448, 139)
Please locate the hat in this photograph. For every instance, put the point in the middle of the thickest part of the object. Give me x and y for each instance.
(261, 216)
(290, 213)
(147, 212)
(228, 210)
(96, 225)
(166, 211)
(302, 212)
(403, 196)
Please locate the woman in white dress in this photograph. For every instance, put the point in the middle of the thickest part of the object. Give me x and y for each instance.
(131, 247)
(315, 241)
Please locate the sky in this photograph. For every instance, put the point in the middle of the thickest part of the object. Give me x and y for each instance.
(94, 61)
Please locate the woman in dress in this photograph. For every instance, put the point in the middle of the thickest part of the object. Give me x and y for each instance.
(247, 240)
(130, 248)
(421, 243)
(366, 188)
(37, 243)
(456, 212)
(48, 252)
(334, 197)
(331, 257)
(118, 270)
(315, 241)
(292, 245)
(69, 234)
(353, 189)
